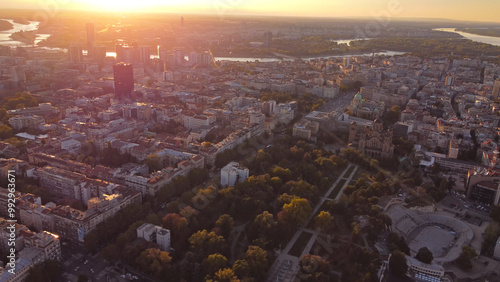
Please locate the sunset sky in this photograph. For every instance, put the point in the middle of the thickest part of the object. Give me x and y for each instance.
(484, 10)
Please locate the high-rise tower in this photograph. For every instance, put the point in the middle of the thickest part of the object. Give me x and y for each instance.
(496, 89)
(124, 79)
(89, 27)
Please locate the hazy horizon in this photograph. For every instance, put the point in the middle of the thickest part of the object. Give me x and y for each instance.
(460, 10)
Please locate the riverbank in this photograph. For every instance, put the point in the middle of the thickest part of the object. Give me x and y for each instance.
(21, 21)
(5, 25)
(492, 32)
(26, 37)
(304, 57)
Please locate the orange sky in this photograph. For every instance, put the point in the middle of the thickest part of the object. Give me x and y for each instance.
(484, 10)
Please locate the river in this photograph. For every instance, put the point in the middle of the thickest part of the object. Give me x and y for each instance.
(247, 59)
(474, 37)
(33, 25)
(5, 39)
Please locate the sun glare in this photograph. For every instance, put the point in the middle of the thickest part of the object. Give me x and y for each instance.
(129, 5)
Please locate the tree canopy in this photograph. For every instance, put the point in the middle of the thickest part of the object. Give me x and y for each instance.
(398, 265)
(297, 211)
(424, 255)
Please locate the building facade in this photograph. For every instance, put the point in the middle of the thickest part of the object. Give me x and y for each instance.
(123, 79)
(232, 173)
(373, 142)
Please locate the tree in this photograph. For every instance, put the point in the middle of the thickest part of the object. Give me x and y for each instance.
(197, 176)
(283, 174)
(153, 162)
(311, 263)
(464, 260)
(6, 132)
(424, 255)
(297, 210)
(174, 222)
(188, 213)
(495, 213)
(225, 275)
(380, 177)
(48, 270)
(392, 116)
(213, 263)
(241, 268)
(111, 252)
(82, 278)
(313, 267)
(356, 228)
(398, 265)
(4, 116)
(285, 199)
(20, 100)
(207, 145)
(257, 262)
(265, 223)
(324, 221)
(302, 189)
(225, 223)
(205, 243)
(153, 261)
(397, 242)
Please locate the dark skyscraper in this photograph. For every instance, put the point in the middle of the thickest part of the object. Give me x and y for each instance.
(89, 27)
(124, 79)
(496, 89)
(75, 53)
(144, 54)
(99, 54)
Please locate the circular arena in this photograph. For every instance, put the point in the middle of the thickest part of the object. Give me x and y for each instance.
(443, 235)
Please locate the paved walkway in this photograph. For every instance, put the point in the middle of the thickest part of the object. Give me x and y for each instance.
(341, 192)
(238, 229)
(286, 266)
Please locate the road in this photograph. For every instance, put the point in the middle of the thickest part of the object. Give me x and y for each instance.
(94, 267)
(338, 103)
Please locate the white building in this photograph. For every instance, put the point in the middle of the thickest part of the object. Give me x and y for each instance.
(431, 269)
(197, 121)
(163, 238)
(155, 234)
(232, 173)
(31, 122)
(147, 232)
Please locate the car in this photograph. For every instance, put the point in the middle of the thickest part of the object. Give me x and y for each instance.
(86, 261)
(76, 268)
(92, 270)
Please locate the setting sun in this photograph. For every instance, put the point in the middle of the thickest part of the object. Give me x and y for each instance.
(128, 5)
(447, 9)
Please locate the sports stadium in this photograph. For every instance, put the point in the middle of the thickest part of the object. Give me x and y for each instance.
(443, 235)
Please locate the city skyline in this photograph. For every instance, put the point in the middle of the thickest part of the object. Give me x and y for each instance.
(393, 9)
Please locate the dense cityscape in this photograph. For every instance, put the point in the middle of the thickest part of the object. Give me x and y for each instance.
(158, 147)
